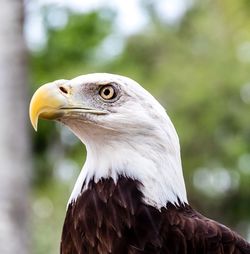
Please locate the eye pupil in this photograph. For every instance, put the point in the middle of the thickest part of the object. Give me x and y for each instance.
(106, 92)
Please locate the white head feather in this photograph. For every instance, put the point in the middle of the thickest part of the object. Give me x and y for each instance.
(135, 139)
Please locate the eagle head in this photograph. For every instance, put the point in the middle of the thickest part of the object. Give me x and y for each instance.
(125, 130)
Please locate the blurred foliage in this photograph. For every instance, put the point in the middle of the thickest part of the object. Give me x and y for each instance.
(71, 45)
(197, 67)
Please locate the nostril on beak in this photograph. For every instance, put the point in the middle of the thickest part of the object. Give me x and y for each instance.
(63, 89)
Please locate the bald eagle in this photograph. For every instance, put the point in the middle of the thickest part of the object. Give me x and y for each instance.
(130, 196)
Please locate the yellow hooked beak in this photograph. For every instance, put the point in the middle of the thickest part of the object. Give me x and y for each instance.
(53, 101)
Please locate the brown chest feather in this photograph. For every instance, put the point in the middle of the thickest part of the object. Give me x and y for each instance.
(112, 218)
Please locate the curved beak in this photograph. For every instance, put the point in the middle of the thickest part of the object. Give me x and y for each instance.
(53, 101)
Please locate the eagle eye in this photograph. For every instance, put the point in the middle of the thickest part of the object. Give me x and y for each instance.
(107, 92)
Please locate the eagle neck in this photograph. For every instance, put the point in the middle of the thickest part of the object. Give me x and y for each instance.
(156, 164)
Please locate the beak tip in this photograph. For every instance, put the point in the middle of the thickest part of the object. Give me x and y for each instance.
(33, 117)
(34, 124)
(35, 128)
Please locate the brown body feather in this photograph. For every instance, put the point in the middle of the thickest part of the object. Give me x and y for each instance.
(113, 218)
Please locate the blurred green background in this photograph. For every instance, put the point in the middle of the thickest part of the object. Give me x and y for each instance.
(193, 56)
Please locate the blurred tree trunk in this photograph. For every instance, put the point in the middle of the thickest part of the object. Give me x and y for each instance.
(14, 145)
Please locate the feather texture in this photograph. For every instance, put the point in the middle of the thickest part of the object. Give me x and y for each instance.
(109, 217)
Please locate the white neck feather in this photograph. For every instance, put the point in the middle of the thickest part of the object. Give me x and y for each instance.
(153, 160)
